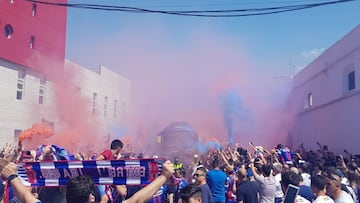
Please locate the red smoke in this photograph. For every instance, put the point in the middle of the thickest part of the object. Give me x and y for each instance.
(184, 81)
(37, 131)
(76, 127)
(79, 127)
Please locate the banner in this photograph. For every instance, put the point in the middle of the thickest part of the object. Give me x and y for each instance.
(118, 172)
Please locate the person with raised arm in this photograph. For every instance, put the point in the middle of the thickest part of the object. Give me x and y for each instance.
(8, 172)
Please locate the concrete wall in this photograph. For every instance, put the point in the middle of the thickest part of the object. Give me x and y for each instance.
(105, 83)
(15, 113)
(332, 117)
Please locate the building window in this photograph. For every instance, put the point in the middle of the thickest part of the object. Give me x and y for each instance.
(20, 85)
(17, 132)
(42, 91)
(94, 102)
(105, 105)
(310, 99)
(32, 41)
(351, 80)
(8, 30)
(115, 106)
(33, 11)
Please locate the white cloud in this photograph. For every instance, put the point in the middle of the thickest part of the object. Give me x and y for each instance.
(312, 53)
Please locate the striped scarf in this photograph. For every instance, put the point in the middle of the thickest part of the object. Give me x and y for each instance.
(117, 172)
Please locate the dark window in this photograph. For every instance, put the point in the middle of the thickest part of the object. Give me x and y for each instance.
(41, 99)
(33, 12)
(17, 132)
(351, 80)
(94, 102)
(20, 85)
(8, 30)
(32, 42)
(19, 95)
(310, 100)
(105, 105)
(42, 90)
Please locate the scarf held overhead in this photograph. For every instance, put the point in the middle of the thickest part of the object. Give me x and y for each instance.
(118, 172)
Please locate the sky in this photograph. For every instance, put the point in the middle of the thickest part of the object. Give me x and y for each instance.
(278, 43)
(191, 68)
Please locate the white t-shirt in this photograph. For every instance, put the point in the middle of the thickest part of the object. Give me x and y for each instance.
(323, 199)
(278, 192)
(306, 179)
(300, 199)
(344, 198)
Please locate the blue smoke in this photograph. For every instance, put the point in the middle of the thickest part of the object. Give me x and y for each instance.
(204, 147)
(232, 108)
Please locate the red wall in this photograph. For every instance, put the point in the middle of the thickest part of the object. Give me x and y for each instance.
(48, 27)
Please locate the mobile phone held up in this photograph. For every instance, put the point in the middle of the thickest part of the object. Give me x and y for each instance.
(291, 193)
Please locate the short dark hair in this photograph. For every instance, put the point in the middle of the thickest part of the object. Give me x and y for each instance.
(116, 144)
(181, 171)
(189, 191)
(318, 181)
(332, 173)
(290, 177)
(79, 188)
(266, 169)
(216, 163)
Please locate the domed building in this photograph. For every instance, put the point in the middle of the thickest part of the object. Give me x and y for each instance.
(178, 139)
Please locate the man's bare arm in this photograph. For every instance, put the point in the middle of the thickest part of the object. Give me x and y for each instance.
(9, 169)
(147, 192)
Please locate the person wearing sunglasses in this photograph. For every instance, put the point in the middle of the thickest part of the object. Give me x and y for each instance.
(200, 181)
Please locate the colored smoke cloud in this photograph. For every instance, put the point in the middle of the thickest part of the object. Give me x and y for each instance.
(234, 113)
(189, 80)
(37, 131)
(75, 127)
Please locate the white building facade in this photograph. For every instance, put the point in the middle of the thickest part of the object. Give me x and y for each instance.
(326, 97)
(32, 59)
(27, 98)
(108, 92)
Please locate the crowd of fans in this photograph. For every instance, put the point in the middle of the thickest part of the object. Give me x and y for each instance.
(222, 174)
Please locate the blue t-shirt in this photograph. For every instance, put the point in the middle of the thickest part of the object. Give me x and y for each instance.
(305, 192)
(216, 179)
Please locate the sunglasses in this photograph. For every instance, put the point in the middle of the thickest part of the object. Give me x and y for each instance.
(197, 175)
